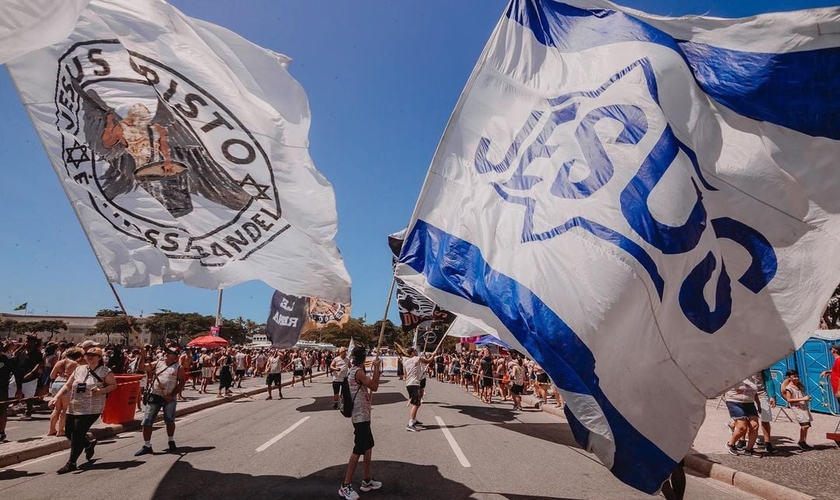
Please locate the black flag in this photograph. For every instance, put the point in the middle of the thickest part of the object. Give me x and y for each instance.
(415, 308)
(286, 320)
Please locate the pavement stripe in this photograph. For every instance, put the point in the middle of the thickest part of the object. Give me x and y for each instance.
(452, 443)
(281, 435)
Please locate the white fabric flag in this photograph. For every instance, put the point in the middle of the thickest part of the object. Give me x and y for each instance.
(27, 25)
(647, 205)
(183, 149)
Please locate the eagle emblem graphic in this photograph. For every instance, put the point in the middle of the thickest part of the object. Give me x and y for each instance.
(155, 152)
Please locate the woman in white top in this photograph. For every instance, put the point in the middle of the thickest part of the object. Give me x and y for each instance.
(87, 386)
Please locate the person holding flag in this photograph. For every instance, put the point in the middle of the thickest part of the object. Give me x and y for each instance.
(414, 369)
(361, 386)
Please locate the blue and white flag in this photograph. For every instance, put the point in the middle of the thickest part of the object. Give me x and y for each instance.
(647, 205)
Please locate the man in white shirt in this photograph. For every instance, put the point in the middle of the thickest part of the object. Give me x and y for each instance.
(414, 370)
(338, 368)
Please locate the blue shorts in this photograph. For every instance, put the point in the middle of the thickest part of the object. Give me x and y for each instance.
(738, 411)
(152, 410)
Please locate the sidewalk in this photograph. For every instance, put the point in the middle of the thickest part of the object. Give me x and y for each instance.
(790, 474)
(27, 439)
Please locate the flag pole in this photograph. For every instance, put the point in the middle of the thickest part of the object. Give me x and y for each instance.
(385, 316)
(219, 308)
(135, 337)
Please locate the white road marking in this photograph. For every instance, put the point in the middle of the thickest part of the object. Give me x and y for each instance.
(452, 443)
(281, 435)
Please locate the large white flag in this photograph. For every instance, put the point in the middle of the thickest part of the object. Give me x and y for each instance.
(647, 205)
(183, 149)
(27, 25)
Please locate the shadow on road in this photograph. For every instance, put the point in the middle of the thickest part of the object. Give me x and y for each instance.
(401, 480)
(558, 433)
(8, 475)
(320, 403)
(485, 413)
(387, 398)
(96, 465)
(185, 450)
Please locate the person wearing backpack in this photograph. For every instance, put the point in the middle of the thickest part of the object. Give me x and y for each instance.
(361, 386)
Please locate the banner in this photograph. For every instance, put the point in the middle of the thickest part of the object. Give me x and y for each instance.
(290, 316)
(183, 150)
(286, 319)
(323, 313)
(27, 25)
(642, 202)
(415, 308)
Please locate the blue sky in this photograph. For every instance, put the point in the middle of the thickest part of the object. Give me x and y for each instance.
(382, 79)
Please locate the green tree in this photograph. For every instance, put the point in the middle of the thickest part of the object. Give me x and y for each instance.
(8, 326)
(163, 325)
(111, 325)
(233, 330)
(109, 313)
(50, 326)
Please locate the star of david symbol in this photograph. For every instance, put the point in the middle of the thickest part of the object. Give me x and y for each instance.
(261, 188)
(76, 154)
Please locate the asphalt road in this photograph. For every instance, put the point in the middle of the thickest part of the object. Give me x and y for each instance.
(297, 448)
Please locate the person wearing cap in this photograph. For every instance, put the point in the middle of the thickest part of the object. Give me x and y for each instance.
(834, 373)
(87, 386)
(167, 379)
(338, 368)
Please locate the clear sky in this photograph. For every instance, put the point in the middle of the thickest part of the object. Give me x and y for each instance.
(382, 79)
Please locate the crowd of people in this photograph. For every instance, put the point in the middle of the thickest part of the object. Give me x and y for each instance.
(79, 378)
(75, 380)
(751, 404)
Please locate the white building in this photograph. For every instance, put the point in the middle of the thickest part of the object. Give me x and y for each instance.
(78, 328)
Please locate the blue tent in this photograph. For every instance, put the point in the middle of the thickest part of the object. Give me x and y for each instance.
(491, 340)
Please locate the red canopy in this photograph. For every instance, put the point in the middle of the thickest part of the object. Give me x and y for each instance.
(208, 341)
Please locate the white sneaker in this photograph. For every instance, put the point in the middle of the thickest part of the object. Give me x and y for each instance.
(411, 428)
(370, 485)
(348, 492)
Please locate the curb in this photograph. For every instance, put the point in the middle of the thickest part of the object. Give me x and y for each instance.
(741, 480)
(50, 445)
(700, 464)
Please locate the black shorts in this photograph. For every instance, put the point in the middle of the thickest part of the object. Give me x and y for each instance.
(486, 382)
(542, 378)
(297, 373)
(336, 388)
(240, 373)
(308, 371)
(273, 378)
(517, 389)
(422, 383)
(364, 438)
(439, 369)
(413, 394)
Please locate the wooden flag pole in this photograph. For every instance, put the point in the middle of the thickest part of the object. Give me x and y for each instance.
(385, 316)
